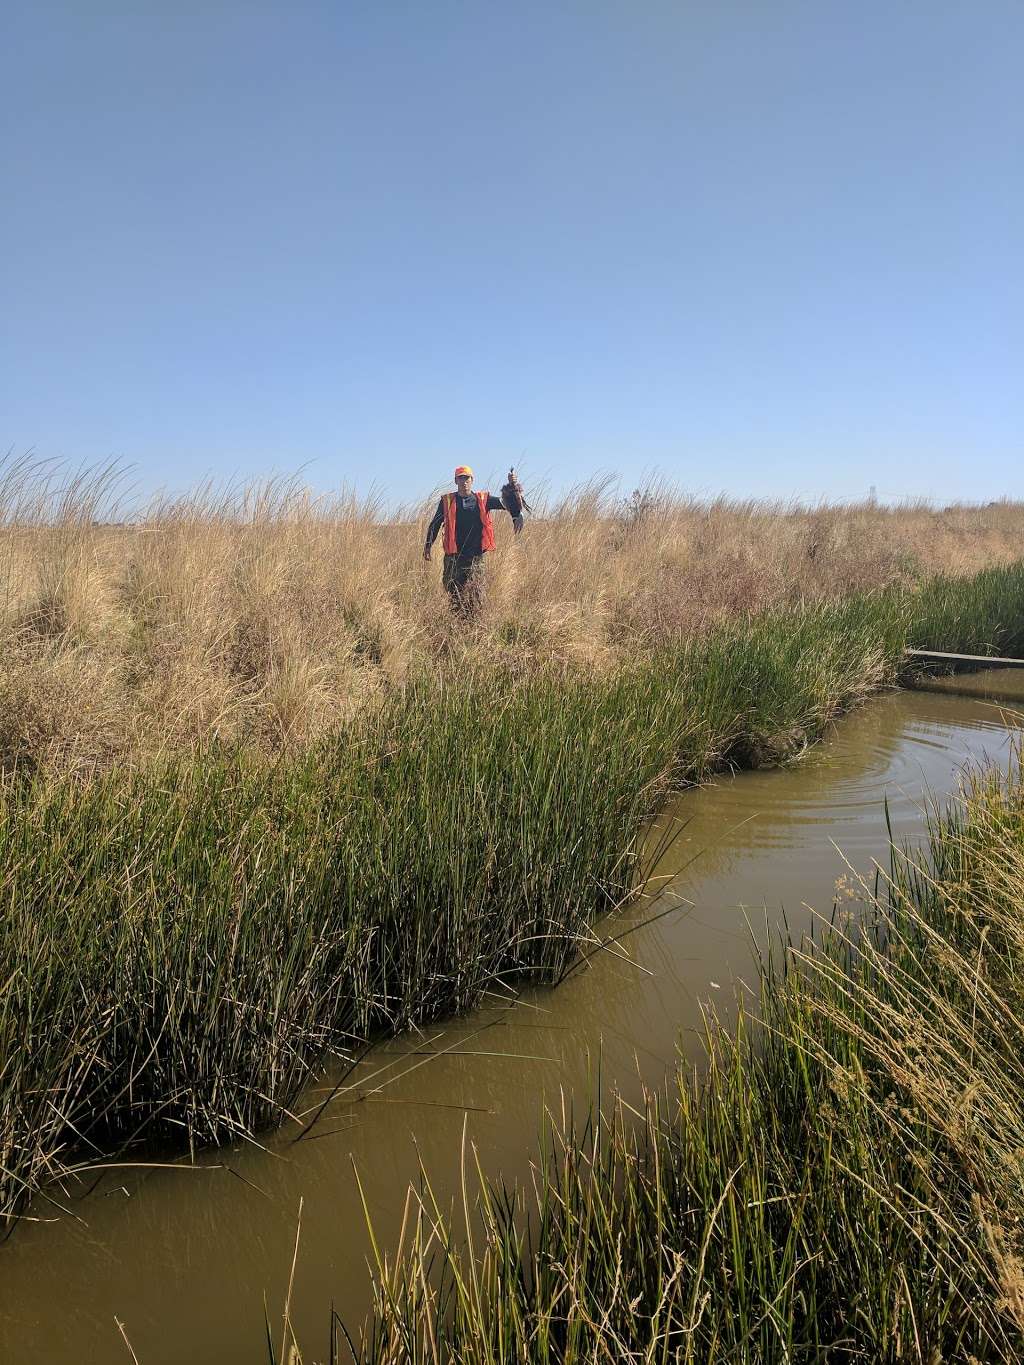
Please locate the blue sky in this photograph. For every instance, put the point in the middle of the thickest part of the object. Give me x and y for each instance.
(768, 249)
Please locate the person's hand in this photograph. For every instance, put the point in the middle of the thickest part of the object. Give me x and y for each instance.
(426, 553)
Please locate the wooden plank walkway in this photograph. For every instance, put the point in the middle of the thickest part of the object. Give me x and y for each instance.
(987, 660)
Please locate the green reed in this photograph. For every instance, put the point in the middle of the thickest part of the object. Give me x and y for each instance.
(844, 1182)
(981, 613)
(180, 944)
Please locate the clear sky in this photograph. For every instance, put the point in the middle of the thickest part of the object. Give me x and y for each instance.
(765, 248)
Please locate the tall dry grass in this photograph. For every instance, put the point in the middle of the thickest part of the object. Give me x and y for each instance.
(267, 614)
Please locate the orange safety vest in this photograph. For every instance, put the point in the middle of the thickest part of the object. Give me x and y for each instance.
(486, 539)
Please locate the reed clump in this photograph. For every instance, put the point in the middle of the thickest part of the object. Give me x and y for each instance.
(262, 797)
(180, 943)
(265, 615)
(844, 1182)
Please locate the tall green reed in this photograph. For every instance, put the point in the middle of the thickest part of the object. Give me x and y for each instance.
(844, 1181)
(981, 613)
(179, 944)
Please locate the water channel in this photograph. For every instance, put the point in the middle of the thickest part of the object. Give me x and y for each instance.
(184, 1255)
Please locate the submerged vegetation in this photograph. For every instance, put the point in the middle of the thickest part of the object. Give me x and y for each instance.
(204, 888)
(844, 1181)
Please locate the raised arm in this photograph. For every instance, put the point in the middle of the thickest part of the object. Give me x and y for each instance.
(496, 505)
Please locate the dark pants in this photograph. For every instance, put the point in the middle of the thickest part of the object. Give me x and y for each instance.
(463, 581)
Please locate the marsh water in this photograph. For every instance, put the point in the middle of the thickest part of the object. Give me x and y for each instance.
(987, 684)
(185, 1256)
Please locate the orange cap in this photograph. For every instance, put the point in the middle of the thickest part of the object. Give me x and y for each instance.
(463, 469)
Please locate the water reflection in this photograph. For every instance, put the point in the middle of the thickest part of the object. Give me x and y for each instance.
(997, 684)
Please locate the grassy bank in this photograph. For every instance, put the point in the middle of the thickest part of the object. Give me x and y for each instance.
(264, 615)
(846, 1181)
(179, 943)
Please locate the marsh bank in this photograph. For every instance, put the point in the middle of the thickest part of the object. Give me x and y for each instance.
(184, 1256)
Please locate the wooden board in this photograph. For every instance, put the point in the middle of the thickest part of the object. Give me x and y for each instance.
(987, 660)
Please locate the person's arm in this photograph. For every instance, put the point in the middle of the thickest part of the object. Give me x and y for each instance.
(496, 505)
(434, 527)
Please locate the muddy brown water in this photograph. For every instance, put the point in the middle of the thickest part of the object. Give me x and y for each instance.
(185, 1256)
(988, 684)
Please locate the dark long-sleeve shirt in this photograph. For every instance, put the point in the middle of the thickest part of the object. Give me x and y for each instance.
(468, 528)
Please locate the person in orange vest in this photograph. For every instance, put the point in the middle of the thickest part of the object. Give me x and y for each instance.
(468, 535)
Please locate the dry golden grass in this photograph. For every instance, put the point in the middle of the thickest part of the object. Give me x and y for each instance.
(266, 614)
